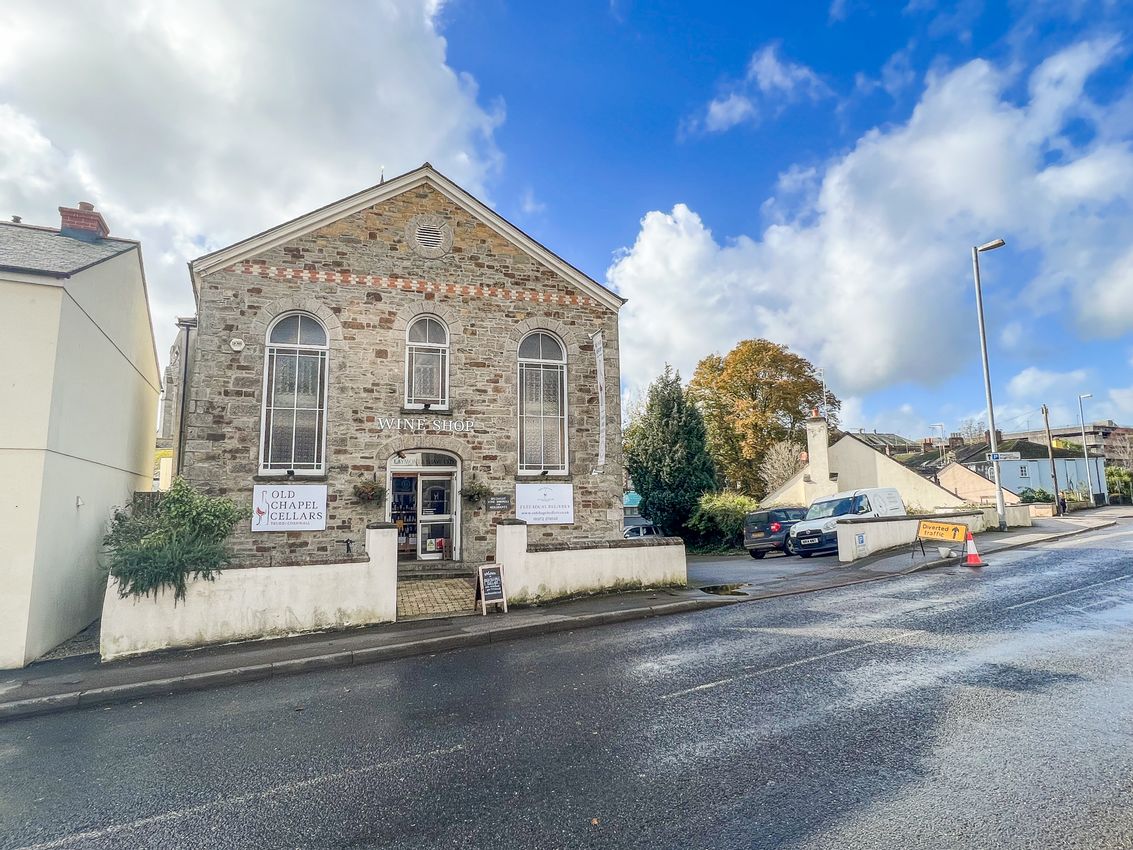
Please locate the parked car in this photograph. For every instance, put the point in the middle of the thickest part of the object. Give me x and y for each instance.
(818, 532)
(636, 531)
(766, 531)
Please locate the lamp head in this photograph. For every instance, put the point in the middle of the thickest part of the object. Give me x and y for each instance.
(1086, 395)
(991, 246)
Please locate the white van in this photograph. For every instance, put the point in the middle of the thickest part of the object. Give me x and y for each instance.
(818, 532)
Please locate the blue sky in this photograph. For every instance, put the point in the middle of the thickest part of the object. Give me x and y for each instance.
(815, 173)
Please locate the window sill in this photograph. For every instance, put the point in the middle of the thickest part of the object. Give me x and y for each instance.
(274, 478)
(535, 477)
(420, 411)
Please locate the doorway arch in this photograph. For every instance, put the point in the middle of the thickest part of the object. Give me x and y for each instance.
(423, 487)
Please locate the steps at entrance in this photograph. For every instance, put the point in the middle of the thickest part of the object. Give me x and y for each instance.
(417, 570)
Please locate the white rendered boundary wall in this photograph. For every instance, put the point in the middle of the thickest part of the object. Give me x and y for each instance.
(258, 602)
(861, 537)
(538, 574)
(858, 538)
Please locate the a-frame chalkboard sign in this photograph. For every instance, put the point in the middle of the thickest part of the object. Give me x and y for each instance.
(490, 587)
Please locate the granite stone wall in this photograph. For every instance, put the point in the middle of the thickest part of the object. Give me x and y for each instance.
(365, 279)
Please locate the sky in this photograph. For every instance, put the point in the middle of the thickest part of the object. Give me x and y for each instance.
(815, 173)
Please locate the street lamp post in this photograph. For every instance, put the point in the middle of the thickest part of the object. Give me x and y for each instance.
(1086, 454)
(1000, 508)
(943, 440)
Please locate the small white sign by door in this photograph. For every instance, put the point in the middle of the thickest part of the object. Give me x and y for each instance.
(289, 507)
(545, 504)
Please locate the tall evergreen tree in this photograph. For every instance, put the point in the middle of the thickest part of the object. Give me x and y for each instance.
(666, 452)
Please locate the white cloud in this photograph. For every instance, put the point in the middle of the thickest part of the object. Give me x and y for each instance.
(779, 77)
(888, 229)
(193, 125)
(529, 204)
(727, 111)
(769, 84)
(1034, 383)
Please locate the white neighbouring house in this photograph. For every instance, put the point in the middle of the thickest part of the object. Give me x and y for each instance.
(852, 464)
(80, 383)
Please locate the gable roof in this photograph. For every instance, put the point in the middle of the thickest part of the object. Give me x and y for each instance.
(30, 249)
(425, 174)
(976, 453)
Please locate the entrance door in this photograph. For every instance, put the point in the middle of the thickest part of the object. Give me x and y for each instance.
(403, 514)
(435, 516)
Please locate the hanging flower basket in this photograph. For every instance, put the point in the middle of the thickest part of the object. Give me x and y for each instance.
(477, 491)
(370, 491)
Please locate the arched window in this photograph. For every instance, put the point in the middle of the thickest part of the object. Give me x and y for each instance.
(426, 364)
(542, 405)
(295, 396)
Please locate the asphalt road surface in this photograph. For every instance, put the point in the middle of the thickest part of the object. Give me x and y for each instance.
(951, 709)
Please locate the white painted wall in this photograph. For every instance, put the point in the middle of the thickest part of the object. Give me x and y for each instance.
(857, 466)
(259, 602)
(29, 324)
(972, 487)
(535, 576)
(79, 355)
(881, 534)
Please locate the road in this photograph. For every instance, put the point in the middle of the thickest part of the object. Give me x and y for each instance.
(951, 709)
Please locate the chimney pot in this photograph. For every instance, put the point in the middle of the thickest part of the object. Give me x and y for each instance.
(16, 219)
(86, 205)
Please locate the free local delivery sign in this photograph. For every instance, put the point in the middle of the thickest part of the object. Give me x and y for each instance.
(545, 504)
(289, 507)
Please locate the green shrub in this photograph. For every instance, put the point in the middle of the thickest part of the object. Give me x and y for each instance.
(1028, 495)
(163, 541)
(718, 521)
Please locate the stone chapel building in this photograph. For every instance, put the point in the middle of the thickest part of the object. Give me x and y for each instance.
(406, 338)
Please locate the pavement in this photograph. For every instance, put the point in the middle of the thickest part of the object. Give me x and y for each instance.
(950, 708)
(78, 682)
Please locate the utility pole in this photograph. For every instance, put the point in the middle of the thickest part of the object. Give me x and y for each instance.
(1085, 452)
(1000, 509)
(1050, 451)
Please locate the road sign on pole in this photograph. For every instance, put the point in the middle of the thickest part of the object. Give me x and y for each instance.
(994, 457)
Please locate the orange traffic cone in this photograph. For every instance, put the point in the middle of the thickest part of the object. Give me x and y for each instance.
(971, 555)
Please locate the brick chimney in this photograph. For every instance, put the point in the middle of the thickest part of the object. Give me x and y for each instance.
(955, 441)
(84, 223)
(818, 448)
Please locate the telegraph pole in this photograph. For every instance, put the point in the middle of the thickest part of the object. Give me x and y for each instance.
(1050, 451)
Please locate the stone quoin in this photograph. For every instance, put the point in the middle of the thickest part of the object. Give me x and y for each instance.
(405, 338)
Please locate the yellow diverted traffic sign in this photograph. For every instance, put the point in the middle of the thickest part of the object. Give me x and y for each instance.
(951, 531)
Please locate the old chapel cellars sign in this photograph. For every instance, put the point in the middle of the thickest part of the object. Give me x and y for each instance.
(289, 507)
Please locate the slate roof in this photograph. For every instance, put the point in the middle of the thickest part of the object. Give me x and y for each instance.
(977, 453)
(42, 250)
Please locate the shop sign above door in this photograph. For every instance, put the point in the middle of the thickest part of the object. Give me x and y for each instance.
(425, 424)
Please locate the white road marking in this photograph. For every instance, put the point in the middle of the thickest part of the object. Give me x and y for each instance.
(709, 685)
(1066, 592)
(285, 788)
(1088, 537)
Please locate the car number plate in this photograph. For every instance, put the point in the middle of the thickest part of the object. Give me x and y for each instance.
(810, 541)
(757, 534)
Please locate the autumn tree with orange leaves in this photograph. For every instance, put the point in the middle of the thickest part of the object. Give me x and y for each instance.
(758, 394)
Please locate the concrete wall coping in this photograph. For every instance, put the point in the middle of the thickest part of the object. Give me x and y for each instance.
(875, 519)
(642, 542)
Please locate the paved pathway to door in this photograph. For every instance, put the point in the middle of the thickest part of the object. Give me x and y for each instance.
(435, 597)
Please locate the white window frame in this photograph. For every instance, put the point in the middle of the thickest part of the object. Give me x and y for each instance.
(269, 349)
(564, 412)
(446, 355)
(1024, 470)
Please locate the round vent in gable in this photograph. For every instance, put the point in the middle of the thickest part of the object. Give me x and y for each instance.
(430, 236)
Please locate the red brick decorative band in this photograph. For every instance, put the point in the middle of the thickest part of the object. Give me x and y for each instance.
(410, 284)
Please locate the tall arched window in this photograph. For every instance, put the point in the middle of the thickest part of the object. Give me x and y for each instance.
(295, 396)
(542, 405)
(426, 364)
